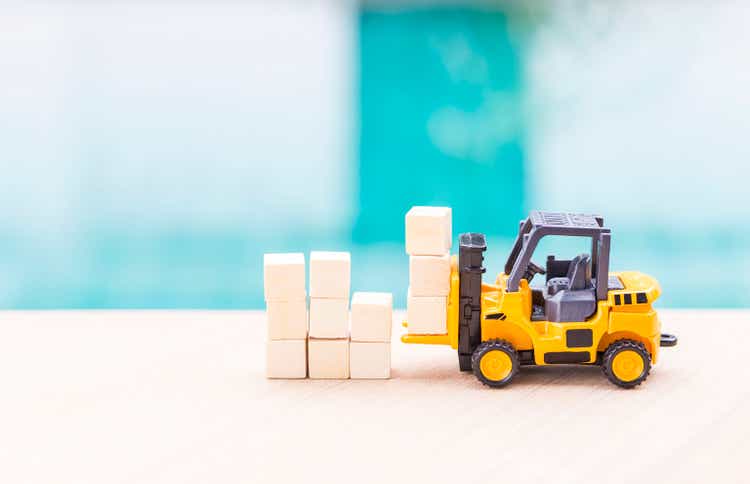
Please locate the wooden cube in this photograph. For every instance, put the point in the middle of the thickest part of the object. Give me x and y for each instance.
(329, 318)
(426, 315)
(430, 275)
(369, 360)
(372, 316)
(330, 274)
(428, 231)
(286, 358)
(286, 319)
(328, 358)
(284, 276)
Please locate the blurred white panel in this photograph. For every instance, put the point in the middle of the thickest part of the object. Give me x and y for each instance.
(177, 113)
(35, 188)
(640, 110)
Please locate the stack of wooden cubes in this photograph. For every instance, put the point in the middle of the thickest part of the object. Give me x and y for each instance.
(428, 243)
(370, 348)
(286, 312)
(319, 346)
(328, 345)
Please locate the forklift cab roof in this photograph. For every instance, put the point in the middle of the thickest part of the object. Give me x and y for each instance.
(567, 223)
(540, 224)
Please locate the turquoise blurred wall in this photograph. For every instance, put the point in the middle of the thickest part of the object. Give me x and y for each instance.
(440, 121)
(152, 152)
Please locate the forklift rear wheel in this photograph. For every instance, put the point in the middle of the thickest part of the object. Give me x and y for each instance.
(495, 362)
(626, 363)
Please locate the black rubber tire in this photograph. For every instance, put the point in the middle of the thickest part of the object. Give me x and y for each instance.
(493, 345)
(622, 345)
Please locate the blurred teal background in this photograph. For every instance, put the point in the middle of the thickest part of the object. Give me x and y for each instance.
(151, 152)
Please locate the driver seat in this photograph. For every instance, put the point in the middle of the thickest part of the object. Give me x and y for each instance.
(571, 298)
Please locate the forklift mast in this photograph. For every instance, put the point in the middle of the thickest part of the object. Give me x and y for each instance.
(470, 258)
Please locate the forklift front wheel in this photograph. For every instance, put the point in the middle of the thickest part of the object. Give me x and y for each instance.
(495, 362)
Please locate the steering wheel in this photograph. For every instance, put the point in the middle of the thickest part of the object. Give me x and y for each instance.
(532, 270)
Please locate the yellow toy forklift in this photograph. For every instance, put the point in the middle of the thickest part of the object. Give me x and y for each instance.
(581, 314)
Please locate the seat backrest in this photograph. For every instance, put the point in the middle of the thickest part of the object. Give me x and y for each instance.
(556, 268)
(579, 272)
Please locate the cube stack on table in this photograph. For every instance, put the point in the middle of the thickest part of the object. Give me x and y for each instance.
(286, 314)
(319, 346)
(330, 276)
(428, 243)
(371, 322)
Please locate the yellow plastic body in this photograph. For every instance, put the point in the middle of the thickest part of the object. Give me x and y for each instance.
(626, 313)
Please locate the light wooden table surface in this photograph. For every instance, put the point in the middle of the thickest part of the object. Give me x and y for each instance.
(178, 397)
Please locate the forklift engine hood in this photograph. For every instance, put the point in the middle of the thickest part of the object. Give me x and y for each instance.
(638, 288)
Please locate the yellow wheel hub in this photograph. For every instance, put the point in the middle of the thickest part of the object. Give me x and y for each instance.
(495, 365)
(627, 365)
